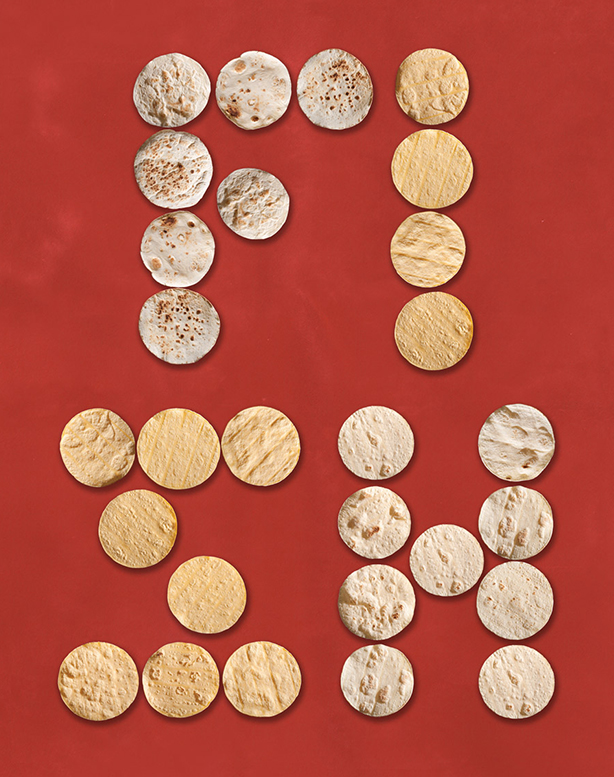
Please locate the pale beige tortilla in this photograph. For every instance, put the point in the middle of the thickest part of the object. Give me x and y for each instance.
(427, 249)
(516, 522)
(334, 90)
(434, 331)
(179, 326)
(253, 203)
(432, 169)
(171, 90)
(376, 602)
(138, 529)
(97, 447)
(516, 442)
(98, 681)
(446, 560)
(377, 680)
(254, 90)
(261, 446)
(516, 682)
(376, 443)
(261, 679)
(180, 680)
(206, 594)
(178, 249)
(374, 522)
(173, 169)
(515, 600)
(432, 86)
(178, 448)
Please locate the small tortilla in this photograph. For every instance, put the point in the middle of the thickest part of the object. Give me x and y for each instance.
(374, 522)
(446, 560)
(377, 680)
(516, 682)
(432, 86)
(253, 203)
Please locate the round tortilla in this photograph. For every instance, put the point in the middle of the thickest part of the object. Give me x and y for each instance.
(98, 681)
(178, 249)
(432, 169)
(171, 90)
(432, 86)
(377, 680)
(253, 90)
(173, 169)
(180, 680)
(446, 560)
(253, 203)
(434, 331)
(374, 522)
(97, 447)
(376, 443)
(179, 326)
(334, 90)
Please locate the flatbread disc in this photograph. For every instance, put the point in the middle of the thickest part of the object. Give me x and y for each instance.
(171, 90)
(516, 442)
(261, 679)
(432, 86)
(180, 680)
(98, 681)
(179, 326)
(374, 522)
(376, 602)
(427, 249)
(173, 169)
(376, 443)
(446, 560)
(254, 90)
(206, 594)
(515, 600)
(261, 446)
(432, 169)
(334, 90)
(138, 529)
(434, 331)
(97, 447)
(516, 522)
(377, 680)
(253, 203)
(178, 449)
(516, 682)
(178, 249)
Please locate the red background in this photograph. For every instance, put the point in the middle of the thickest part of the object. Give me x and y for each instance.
(307, 323)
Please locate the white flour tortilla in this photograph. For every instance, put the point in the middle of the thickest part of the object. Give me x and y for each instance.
(446, 560)
(178, 249)
(253, 203)
(516, 522)
(377, 680)
(374, 522)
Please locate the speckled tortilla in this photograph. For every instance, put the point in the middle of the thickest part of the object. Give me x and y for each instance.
(334, 90)
(516, 442)
(515, 600)
(254, 90)
(179, 326)
(427, 249)
(516, 522)
(98, 681)
(178, 448)
(432, 86)
(261, 446)
(374, 522)
(180, 680)
(138, 529)
(261, 679)
(434, 331)
(178, 249)
(376, 602)
(376, 443)
(253, 203)
(516, 682)
(97, 447)
(377, 680)
(171, 90)
(206, 594)
(432, 169)
(446, 560)
(173, 169)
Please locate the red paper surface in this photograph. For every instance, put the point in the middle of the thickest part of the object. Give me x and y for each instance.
(307, 327)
